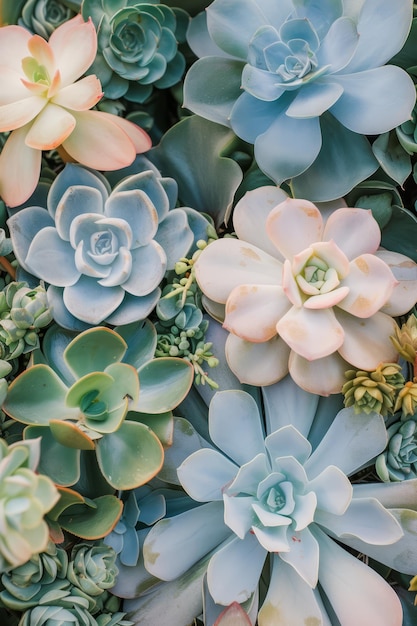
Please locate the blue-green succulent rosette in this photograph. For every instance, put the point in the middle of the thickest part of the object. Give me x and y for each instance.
(137, 46)
(305, 82)
(103, 252)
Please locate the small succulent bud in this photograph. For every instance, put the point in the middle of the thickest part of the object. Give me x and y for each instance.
(399, 460)
(407, 399)
(372, 391)
(405, 339)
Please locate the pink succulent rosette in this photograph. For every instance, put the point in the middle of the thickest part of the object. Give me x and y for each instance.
(45, 106)
(305, 291)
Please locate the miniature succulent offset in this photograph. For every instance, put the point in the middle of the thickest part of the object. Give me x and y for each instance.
(276, 495)
(137, 46)
(44, 107)
(103, 253)
(25, 498)
(298, 78)
(303, 293)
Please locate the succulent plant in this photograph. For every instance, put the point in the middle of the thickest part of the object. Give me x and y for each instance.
(26, 584)
(91, 402)
(399, 460)
(75, 613)
(405, 339)
(110, 250)
(92, 568)
(141, 506)
(300, 296)
(138, 46)
(406, 401)
(283, 81)
(275, 493)
(43, 16)
(25, 498)
(23, 312)
(373, 391)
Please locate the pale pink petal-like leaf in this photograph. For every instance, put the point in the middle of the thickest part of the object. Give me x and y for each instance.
(42, 52)
(233, 615)
(252, 311)
(140, 139)
(12, 88)
(370, 282)
(367, 341)
(250, 214)
(228, 263)
(52, 126)
(323, 376)
(17, 114)
(404, 293)
(74, 45)
(98, 142)
(257, 363)
(327, 300)
(294, 225)
(14, 46)
(311, 333)
(15, 158)
(355, 231)
(81, 95)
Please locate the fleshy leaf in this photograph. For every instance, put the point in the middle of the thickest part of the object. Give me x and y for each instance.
(164, 383)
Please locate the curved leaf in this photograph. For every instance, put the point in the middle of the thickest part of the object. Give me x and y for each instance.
(61, 463)
(93, 523)
(93, 350)
(164, 383)
(70, 436)
(131, 456)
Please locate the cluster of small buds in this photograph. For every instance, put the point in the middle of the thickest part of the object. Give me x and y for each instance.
(373, 391)
(180, 325)
(407, 399)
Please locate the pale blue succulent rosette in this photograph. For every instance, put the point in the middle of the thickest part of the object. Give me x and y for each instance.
(104, 252)
(305, 83)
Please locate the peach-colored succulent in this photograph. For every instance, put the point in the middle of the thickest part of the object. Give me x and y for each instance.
(45, 106)
(304, 294)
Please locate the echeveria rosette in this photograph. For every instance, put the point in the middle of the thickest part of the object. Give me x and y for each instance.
(303, 293)
(103, 253)
(42, 17)
(399, 460)
(301, 78)
(277, 495)
(45, 106)
(92, 568)
(25, 498)
(137, 46)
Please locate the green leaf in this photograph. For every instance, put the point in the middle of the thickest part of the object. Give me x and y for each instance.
(93, 523)
(141, 339)
(70, 436)
(131, 456)
(59, 462)
(68, 497)
(400, 234)
(164, 383)
(93, 350)
(37, 396)
(392, 157)
(192, 153)
(161, 424)
(96, 381)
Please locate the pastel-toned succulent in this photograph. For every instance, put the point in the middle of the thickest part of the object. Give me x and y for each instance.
(25, 585)
(92, 568)
(273, 492)
(137, 46)
(45, 106)
(87, 400)
(302, 293)
(399, 460)
(23, 312)
(373, 391)
(405, 340)
(406, 401)
(25, 499)
(103, 252)
(299, 79)
(42, 17)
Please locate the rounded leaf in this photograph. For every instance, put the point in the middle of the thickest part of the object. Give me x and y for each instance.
(164, 383)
